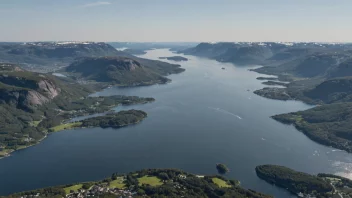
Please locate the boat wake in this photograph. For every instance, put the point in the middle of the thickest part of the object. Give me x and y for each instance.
(224, 111)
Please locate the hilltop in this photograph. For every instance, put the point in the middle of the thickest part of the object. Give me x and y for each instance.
(123, 71)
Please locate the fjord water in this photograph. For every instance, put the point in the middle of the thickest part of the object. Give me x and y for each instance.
(206, 115)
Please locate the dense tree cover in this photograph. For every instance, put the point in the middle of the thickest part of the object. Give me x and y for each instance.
(123, 71)
(175, 58)
(175, 183)
(293, 181)
(331, 91)
(327, 124)
(115, 120)
(222, 168)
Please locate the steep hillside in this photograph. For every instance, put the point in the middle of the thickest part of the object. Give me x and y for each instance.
(253, 54)
(123, 71)
(332, 90)
(308, 66)
(343, 69)
(32, 104)
(209, 50)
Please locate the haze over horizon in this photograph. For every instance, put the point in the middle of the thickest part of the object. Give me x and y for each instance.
(176, 21)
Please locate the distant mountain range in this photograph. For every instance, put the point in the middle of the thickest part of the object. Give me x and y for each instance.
(46, 56)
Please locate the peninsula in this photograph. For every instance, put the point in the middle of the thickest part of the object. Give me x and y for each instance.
(175, 58)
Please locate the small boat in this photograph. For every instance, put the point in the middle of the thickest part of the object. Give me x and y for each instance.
(223, 68)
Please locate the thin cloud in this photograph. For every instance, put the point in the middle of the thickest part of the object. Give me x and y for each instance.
(99, 3)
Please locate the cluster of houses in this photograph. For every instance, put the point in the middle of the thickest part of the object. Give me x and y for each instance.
(97, 190)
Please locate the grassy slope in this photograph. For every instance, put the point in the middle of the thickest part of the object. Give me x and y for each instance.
(118, 183)
(221, 183)
(149, 180)
(74, 188)
(148, 183)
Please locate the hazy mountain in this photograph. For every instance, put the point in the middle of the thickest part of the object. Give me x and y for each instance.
(44, 56)
(123, 71)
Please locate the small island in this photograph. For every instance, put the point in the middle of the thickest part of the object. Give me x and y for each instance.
(222, 168)
(175, 58)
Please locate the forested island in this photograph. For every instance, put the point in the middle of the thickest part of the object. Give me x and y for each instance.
(175, 58)
(149, 183)
(305, 185)
(222, 168)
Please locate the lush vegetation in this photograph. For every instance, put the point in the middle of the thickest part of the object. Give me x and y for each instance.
(295, 182)
(33, 104)
(157, 183)
(117, 182)
(269, 82)
(175, 58)
(327, 124)
(122, 71)
(221, 183)
(222, 168)
(115, 120)
(73, 188)
(65, 126)
(149, 180)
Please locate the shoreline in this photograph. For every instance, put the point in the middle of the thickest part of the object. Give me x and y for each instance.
(8, 153)
(73, 128)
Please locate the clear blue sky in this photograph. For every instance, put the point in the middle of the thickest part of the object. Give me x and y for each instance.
(176, 20)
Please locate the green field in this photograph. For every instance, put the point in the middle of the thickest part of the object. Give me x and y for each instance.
(118, 183)
(34, 123)
(74, 188)
(148, 180)
(65, 126)
(221, 183)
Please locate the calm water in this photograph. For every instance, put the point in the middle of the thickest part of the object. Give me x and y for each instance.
(205, 116)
